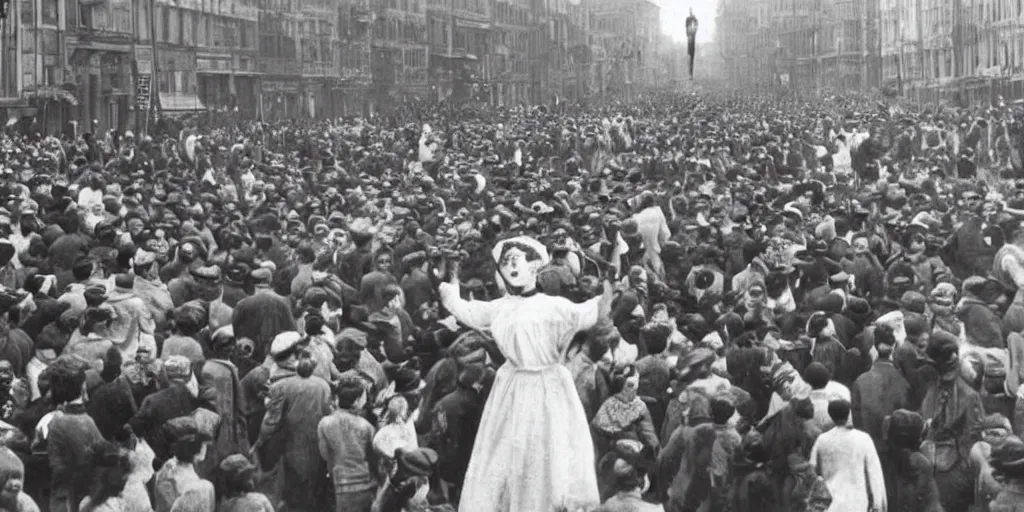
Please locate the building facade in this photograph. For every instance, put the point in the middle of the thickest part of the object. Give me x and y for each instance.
(99, 52)
(355, 20)
(299, 72)
(749, 42)
(513, 22)
(460, 48)
(400, 51)
(32, 58)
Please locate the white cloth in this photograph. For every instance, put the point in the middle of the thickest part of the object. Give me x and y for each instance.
(822, 397)
(533, 450)
(846, 458)
(20, 243)
(842, 162)
(88, 198)
(33, 370)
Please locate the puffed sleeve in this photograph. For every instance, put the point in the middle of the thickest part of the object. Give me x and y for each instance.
(474, 313)
(577, 317)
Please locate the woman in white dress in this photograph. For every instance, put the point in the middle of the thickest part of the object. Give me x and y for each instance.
(533, 450)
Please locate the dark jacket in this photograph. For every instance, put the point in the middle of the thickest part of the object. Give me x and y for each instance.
(288, 438)
(453, 429)
(260, 318)
(71, 434)
(166, 404)
(982, 326)
(875, 395)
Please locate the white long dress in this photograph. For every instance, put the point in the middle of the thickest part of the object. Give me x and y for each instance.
(533, 450)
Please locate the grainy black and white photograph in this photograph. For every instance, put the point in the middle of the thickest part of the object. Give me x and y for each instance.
(511, 255)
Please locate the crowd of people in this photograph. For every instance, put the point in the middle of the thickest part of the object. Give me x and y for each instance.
(699, 301)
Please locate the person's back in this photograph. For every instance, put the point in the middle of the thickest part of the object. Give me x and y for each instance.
(248, 502)
(346, 443)
(262, 316)
(71, 433)
(185, 346)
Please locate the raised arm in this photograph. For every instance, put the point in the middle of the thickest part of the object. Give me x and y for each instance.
(474, 313)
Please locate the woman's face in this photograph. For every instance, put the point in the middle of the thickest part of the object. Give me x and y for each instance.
(632, 383)
(517, 270)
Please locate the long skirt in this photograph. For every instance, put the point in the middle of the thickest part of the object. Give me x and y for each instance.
(533, 450)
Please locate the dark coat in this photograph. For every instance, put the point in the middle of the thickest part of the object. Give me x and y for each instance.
(915, 488)
(260, 318)
(288, 439)
(455, 421)
(112, 406)
(166, 404)
(982, 326)
(875, 395)
(254, 393)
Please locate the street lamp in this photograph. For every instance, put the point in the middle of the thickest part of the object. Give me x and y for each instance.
(691, 38)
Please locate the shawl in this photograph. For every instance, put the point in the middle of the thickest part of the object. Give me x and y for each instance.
(616, 415)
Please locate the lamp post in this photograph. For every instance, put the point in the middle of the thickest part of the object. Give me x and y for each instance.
(691, 38)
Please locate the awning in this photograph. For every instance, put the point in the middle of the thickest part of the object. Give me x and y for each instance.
(171, 102)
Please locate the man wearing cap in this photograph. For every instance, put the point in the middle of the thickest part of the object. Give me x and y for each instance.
(133, 321)
(25, 233)
(150, 288)
(879, 392)
(181, 397)
(288, 435)
(346, 443)
(263, 315)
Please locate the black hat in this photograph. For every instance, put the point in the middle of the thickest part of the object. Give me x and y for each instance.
(416, 462)
(10, 298)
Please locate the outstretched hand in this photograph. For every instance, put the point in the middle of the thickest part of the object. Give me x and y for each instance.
(453, 272)
(605, 305)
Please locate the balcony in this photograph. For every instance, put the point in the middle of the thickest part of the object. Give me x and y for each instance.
(317, 69)
(278, 66)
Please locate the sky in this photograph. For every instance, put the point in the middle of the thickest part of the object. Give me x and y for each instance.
(674, 13)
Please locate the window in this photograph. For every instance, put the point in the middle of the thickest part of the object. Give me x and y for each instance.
(143, 21)
(162, 27)
(49, 38)
(244, 35)
(202, 36)
(28, 13)
(50, 12)
(174, 25)
(188, 23)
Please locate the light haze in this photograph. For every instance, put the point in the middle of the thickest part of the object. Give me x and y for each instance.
(674, 13)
